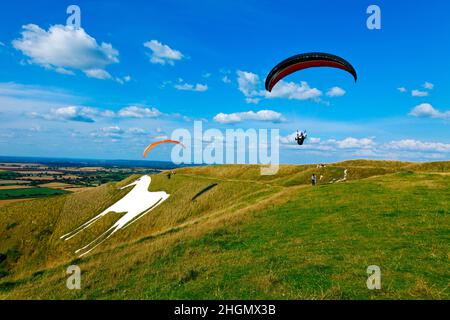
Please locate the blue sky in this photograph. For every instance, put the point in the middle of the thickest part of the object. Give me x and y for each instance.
(135, 72)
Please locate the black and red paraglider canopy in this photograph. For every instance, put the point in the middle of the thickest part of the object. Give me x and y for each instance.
(305, 61)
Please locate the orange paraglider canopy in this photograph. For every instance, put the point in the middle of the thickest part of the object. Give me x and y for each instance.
(154, 144)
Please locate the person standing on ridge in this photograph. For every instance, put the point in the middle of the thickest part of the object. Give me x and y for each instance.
(313, 179)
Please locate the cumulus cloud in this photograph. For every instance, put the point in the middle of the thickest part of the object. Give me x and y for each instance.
(162, 53)
(419, 93)
(402, 89)
(113, 132)
(98, 74)
(426, 110)
(136, 131)
(69, 113)
(416, 145)
(65, 49)
(348, 143)
(89, 114)
(74, 114)
(263, 115)
(336, 92)
(332, 145)
(352, 143)
(294, 91)
(367, 147)
(250, 85)
(139, 112)
(190, 87)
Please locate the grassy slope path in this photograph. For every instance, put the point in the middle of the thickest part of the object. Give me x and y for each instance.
(249, 237)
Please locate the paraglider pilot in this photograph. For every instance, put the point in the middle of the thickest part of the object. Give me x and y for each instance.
(301, 137)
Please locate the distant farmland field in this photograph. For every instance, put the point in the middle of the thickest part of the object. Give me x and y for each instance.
(29, 193)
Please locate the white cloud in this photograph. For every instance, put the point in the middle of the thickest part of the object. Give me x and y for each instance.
(139, 112)
(88, 114)
(114, 132)
(112, 129)
(353, 143)
(294, 91)
(416, 145)
(162, 54)
(206, 75)
(98, 74)
(249, 85)
(263, 115)
(367, 147)
(64, 49)
(332, 145)
(63, 71)
(336, 92)
(402, 89)
(69, 113)
(428, 85)
(252, 100)
(190, 87)
(418, 93)
(73, 113)
(123, 79)
(136, 131)
(426, 110)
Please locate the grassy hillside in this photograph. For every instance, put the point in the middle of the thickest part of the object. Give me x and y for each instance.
(228, 233)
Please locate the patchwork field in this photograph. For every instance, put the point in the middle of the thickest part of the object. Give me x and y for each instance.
(24, 193)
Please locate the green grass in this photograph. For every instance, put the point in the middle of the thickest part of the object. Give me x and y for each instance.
(249, 237)
(7, 194)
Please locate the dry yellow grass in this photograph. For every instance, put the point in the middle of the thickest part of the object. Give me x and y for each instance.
(65, 186)
(43, 178)
(58, 185)
(5, 202)
(36, 172)
(12, 182)
(12, 187)
(70, 177)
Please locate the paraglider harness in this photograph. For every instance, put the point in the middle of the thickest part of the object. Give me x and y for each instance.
(301, 137)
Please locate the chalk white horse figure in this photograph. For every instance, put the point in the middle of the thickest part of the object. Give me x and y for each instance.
(137, 203)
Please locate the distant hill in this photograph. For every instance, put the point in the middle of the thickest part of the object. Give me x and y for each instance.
(60, 162)
(227, 232)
